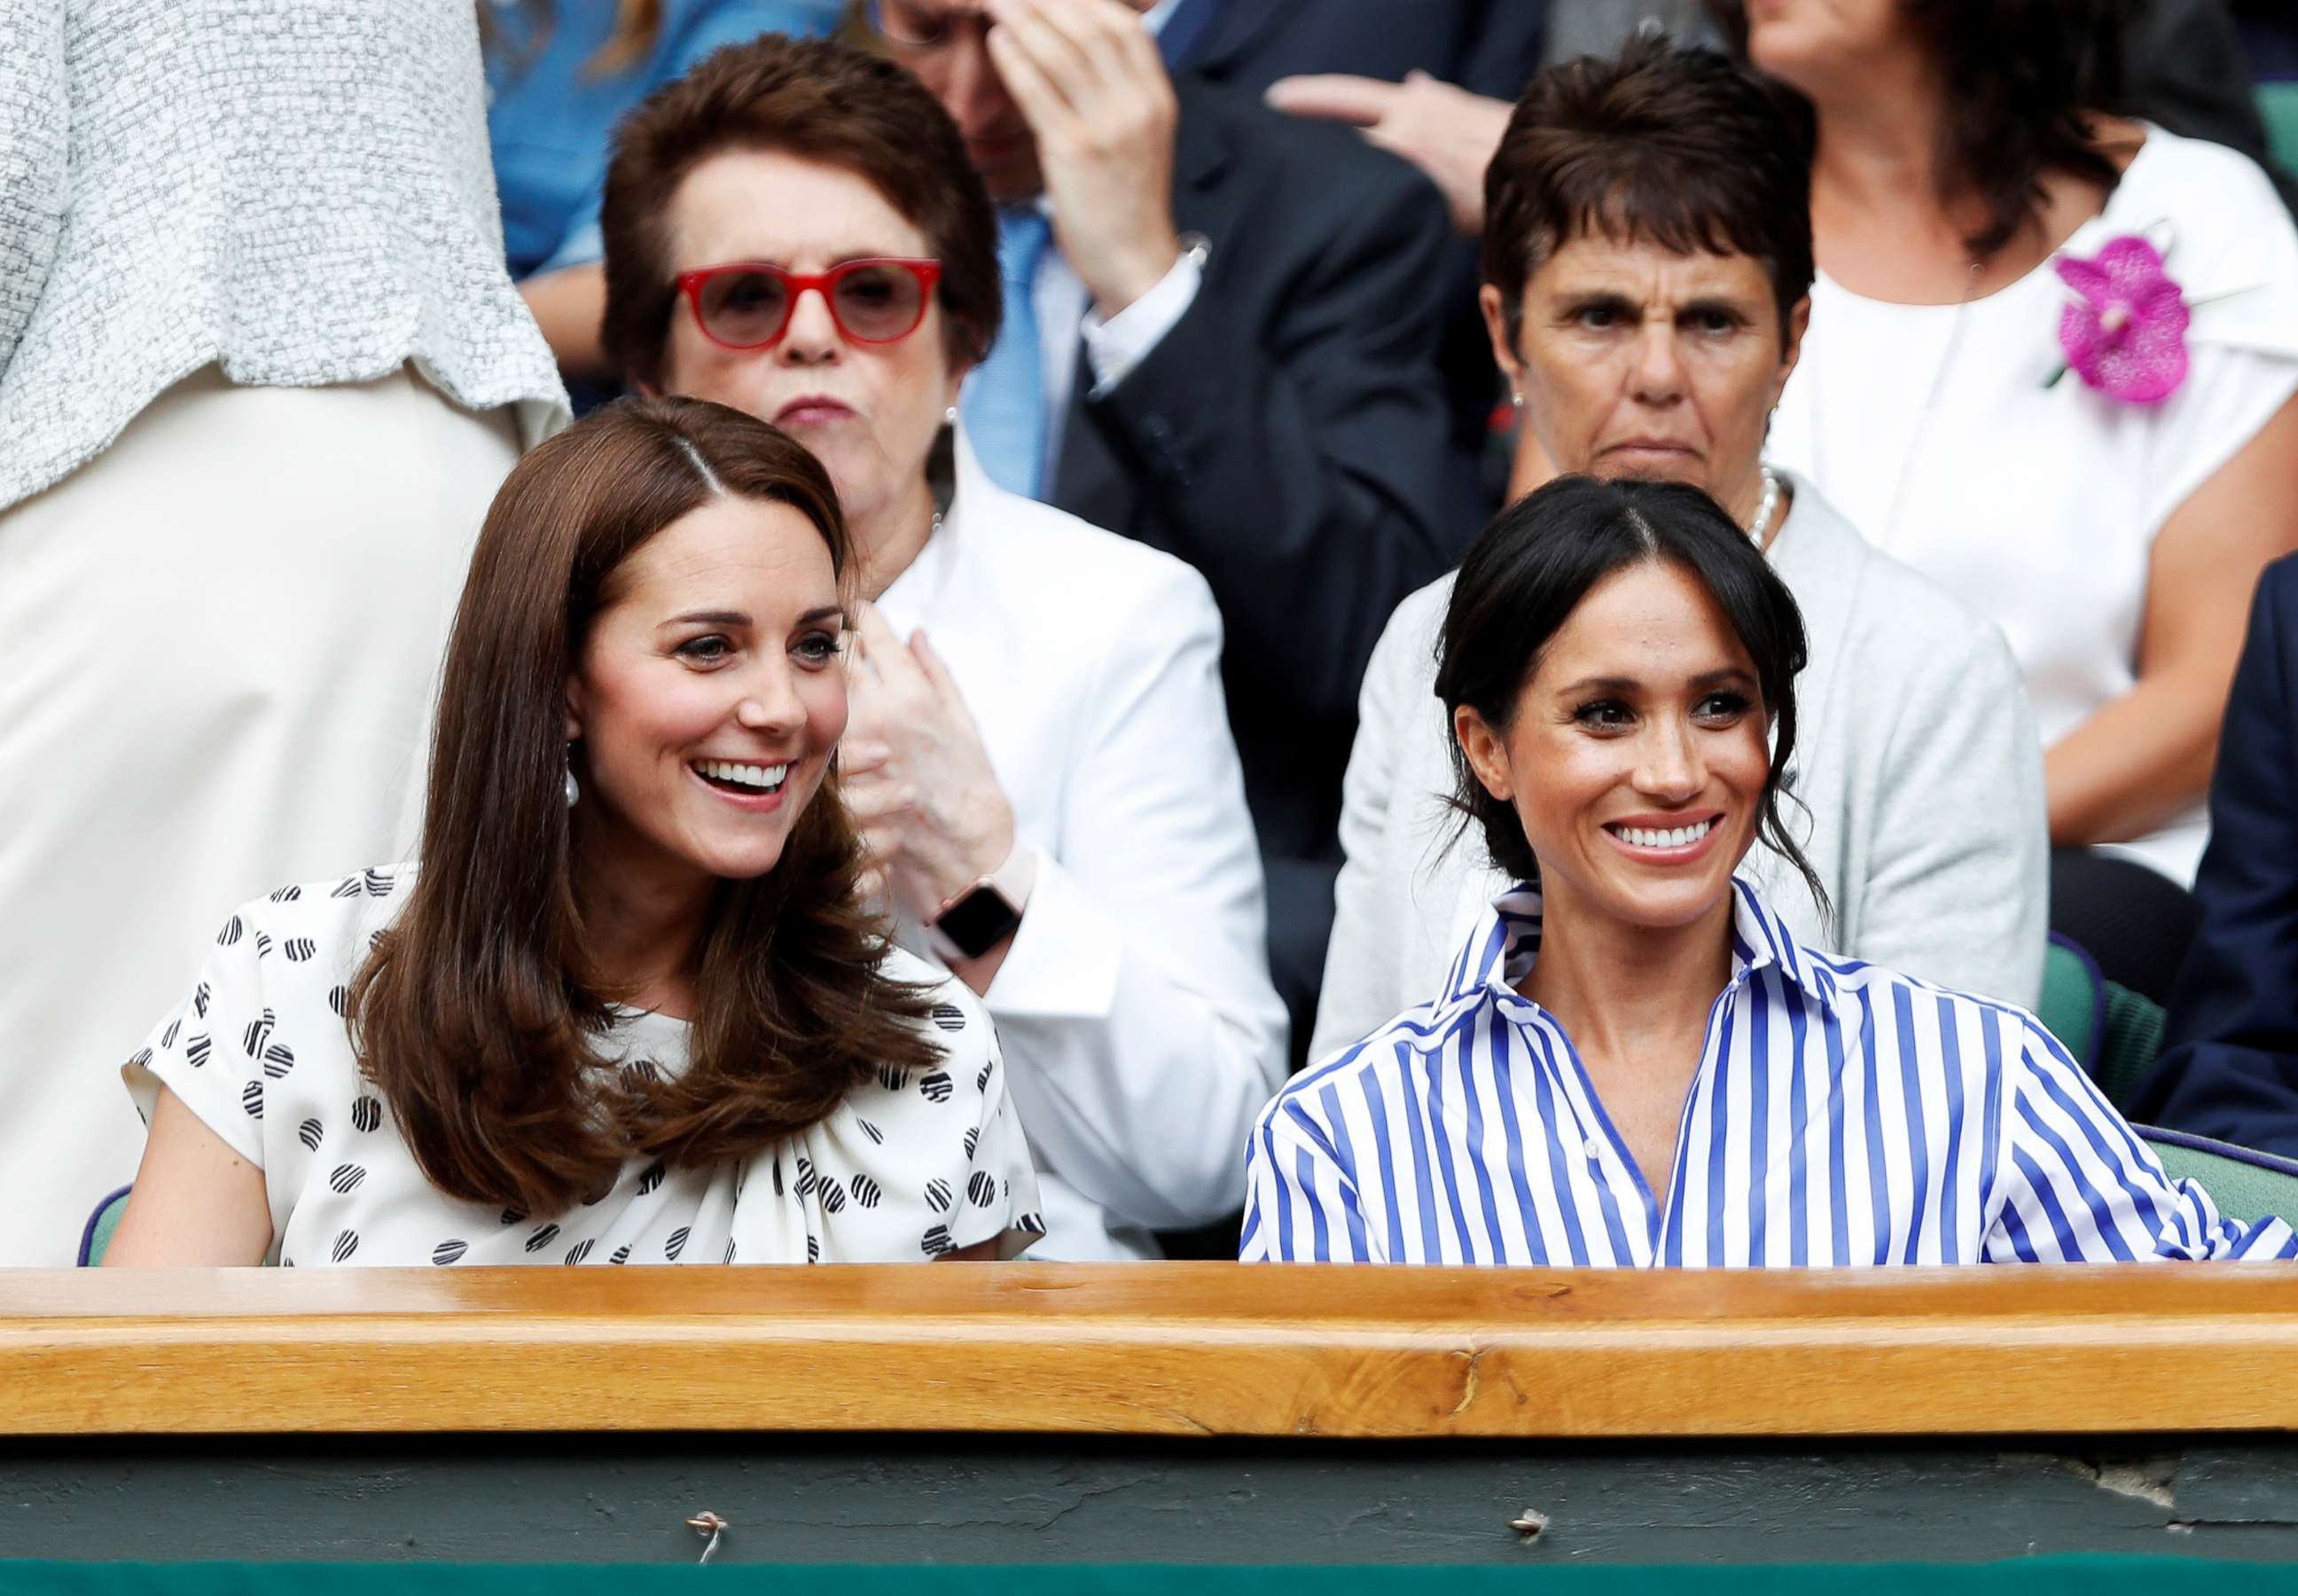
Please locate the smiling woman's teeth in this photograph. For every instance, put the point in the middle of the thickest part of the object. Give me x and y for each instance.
(1680, 837)
(763, 778)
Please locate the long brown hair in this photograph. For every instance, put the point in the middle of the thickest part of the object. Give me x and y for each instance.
(479, 1014)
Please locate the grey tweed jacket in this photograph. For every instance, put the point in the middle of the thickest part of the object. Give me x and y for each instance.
(299, 190)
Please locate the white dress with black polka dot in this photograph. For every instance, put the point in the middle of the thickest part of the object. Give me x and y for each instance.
(910, 1166)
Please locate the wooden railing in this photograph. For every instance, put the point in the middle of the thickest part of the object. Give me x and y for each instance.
(1172, 1349)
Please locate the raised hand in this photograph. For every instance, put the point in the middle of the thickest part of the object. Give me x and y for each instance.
(1087, 78)
(1448, 133)
(915, 773)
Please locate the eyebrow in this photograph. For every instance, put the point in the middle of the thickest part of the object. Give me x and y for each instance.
(1708, 302)
(741, 617)
(1613, 299)
(1587, 299)
(1731, 675)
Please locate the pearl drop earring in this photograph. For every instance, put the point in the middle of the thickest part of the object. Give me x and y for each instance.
(574, 790)
(949, 417)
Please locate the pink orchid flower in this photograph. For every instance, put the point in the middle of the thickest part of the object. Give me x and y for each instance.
(2126, 336)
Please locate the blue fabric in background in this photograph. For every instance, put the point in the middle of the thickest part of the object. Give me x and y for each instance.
(548, 120)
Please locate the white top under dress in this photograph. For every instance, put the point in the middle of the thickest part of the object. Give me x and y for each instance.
(1938, 431)
(910, 1166)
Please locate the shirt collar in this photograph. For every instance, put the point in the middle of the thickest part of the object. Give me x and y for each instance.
(1505, 945)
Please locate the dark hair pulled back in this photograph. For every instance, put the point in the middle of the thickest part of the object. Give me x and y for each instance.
(1531, 567)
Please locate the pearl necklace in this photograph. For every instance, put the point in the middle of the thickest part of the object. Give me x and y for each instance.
(1766, 507)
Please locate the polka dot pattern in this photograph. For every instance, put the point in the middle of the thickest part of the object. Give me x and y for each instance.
(915, 1164)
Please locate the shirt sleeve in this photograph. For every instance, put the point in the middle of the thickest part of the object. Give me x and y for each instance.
(2231, 394)
(2075, 1185)
(1135, 993)
(1114, 347)
(1013, 1218)
(1301, 1203)
(211, 1051)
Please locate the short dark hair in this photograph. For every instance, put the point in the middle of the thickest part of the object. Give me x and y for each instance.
(2020, 78)
(1676, 145)
(1530, 569)
(815, 98)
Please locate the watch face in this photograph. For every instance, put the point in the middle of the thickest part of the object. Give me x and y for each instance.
(977, 922)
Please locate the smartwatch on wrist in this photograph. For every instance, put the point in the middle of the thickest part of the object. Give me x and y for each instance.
(971, 923)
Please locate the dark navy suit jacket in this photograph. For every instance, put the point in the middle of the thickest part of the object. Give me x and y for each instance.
(2229, 1067)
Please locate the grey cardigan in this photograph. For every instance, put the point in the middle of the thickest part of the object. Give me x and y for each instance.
(1916, 757)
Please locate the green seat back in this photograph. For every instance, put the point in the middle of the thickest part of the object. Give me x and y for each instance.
(2246, 1186)
(101, 1224)
(2112, 1031)
(2069, 1005)
(2278, 103)
(2134, 1036)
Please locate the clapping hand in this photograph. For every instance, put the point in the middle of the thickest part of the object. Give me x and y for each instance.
(1087, 78)
(914, 774)
(1449, 134)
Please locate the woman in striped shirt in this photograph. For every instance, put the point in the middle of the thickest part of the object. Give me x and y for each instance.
(1631, 1061)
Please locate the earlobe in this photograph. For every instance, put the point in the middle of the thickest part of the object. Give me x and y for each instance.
(1496, 328)
(1486, 754)
(1791, 341)
(573, 709)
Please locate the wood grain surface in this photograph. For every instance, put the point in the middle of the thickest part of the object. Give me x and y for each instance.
(1170, 1349)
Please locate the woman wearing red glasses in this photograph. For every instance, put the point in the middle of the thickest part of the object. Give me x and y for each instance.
(1047, 786)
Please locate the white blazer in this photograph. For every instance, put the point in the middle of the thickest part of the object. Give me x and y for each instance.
(1917, 763)
(1141, 1033)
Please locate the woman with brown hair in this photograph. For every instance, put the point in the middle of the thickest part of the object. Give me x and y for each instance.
(628, 1009)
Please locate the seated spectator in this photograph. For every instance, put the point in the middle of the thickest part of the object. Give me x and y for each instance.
(561, 73)
(1263, 400)
(2230, 1062)
(260, 371)
(1648, 256)
(629, 1009)
(1633, 1061)
(2003, 390)
(1039, 753)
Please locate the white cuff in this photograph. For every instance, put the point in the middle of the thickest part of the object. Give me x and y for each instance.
(1064, 960)
(1114, 347)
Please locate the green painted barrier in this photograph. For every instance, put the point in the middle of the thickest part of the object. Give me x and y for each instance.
(2278, 104)
(2073, 1576)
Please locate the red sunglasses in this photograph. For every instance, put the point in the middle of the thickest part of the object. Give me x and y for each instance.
(747, 304)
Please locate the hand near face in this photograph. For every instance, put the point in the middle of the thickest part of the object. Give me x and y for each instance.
(1449, 134)
(1088, 79)
(915, 773)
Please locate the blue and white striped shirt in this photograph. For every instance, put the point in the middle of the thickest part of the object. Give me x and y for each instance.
(1841, 1114)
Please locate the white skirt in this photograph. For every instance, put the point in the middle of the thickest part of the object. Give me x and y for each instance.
(218, 644)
